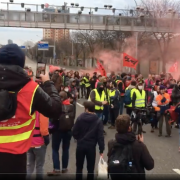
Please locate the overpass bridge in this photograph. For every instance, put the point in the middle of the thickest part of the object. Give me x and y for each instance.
(34, 19)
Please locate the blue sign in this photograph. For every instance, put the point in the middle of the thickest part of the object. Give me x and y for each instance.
(23, 47)
(43, 45)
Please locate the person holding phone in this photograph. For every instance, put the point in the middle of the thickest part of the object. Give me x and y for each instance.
(141, 158)
(16, 126)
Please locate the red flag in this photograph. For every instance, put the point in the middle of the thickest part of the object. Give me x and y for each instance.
(129, 61)
(173, 68)
(101, 68)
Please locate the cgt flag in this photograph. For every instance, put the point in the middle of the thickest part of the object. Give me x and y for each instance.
(173, 68)
(129, 61)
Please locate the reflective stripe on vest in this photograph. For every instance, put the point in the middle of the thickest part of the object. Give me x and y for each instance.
(87, 84)
(132, 92)
(140, 98)
(16, 133)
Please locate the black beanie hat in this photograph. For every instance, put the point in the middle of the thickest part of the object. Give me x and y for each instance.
(12, 54)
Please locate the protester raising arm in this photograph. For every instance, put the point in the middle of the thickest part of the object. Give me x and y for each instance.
(47, 100)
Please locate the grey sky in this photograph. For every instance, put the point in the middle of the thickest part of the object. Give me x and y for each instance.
(20, 35)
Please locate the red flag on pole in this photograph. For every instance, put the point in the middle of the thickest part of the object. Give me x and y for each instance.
(129, 61)
(173, 68)
(101, 68)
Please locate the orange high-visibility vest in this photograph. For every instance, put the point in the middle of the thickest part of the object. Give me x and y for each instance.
(16, 133)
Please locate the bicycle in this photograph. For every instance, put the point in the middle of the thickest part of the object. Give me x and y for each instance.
(138, 117)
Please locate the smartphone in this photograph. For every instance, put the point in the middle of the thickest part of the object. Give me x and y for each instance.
(41, 69)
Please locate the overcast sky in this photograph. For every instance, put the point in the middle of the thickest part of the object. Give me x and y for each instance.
(20, 35)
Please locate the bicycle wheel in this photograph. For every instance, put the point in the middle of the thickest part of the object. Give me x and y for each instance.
(135, 127)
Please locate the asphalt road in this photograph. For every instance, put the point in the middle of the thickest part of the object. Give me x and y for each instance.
(163, 150)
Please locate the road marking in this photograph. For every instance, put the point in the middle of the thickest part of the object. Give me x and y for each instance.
(177, 171)
(79, 104)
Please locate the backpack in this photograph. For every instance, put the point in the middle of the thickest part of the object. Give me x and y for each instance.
(121, 163)
(8, 104)
(66, 120)
(127, 97)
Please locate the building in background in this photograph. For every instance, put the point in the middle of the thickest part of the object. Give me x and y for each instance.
(10, 41)
(56, 34)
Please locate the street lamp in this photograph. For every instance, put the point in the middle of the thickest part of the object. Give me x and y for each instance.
(11, 1)
(110, 6)
(42, 6)
(77, 5)
(79, 12)
(72, 4)
(82, 8)
(113, 10)
(22, 5)
(96, 9)
(105, 6)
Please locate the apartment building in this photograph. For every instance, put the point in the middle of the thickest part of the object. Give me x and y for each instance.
(58, 34)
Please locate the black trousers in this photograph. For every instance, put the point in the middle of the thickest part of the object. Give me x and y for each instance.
(88, 90)
(90, 154)
(83, 93)
(13, 166)
(114, 114)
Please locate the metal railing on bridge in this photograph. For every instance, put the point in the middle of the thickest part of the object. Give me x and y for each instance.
(12, 18)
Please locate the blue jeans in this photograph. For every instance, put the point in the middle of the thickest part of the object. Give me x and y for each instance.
(106, 113)
(100, 115)
(121, 103)
(57, 137)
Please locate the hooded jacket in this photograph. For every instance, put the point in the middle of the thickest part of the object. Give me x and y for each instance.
(141, 155)
(88, 131)
(47, 102)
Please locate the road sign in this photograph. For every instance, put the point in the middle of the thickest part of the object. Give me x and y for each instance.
(42, 45)
(23, 47)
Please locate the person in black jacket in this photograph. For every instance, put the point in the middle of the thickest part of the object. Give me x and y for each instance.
(124, 136)
(46, 101)
(88, 131)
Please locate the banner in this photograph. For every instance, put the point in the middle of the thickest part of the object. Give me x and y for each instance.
(173, 68)
(101, 68)
(129, 61)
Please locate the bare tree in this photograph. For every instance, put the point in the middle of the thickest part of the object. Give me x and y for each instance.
(162, 8)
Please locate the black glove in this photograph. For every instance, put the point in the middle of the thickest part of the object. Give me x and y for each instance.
(163, 100)
(46, 140)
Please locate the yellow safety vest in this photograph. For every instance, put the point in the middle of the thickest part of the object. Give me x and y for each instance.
(132, 92)
(140, 99)
(87, 84)
(112, 93)
(98, 98)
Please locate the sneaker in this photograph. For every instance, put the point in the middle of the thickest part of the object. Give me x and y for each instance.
(104, 132)
(64, 171)
(54, 173)
(160, 135)
(111, 127)
(152, 130)
(143, 131)
(167, 135)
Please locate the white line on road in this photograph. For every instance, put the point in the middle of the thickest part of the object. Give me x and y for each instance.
(177, 171)
(79, 104)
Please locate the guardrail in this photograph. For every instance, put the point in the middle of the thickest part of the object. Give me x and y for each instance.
(84, 21)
